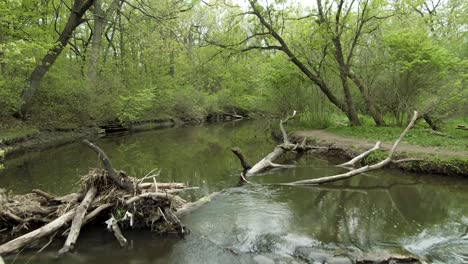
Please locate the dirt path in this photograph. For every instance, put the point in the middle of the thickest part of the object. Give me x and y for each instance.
(403, 147)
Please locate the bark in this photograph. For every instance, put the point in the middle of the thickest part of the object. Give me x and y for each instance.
(358, 158)
(189, 207)
(74, 20)
(44, 231)
(343, 69)
(118, 234)
(91, 215)
(78, 221)
(118, 180)
(267, 161)
(161, 185)
(44, 194)
(344, 64)
(245, 165)
(373, 111)
(430, 122)
(95, 53)
(149, 195)
(2, 64)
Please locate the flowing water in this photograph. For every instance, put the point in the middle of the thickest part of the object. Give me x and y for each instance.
(377, 213)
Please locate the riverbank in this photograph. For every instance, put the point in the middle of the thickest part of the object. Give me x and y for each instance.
(435, 160)
(25, 138)
(17, 141)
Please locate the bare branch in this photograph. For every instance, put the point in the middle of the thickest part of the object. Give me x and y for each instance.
(283, 131)
(262, 48)
(365, 168)
(361, 156)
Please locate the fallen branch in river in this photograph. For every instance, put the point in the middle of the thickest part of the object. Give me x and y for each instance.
(286, 145)
(268, 161)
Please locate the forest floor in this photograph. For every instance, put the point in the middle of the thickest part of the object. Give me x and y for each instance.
(386, 145)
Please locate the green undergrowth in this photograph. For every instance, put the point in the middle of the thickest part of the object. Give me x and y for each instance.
(12, 135)
(454, 166)
(451, 138)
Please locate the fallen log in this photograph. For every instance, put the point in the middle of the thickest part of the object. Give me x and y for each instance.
(190, 207)
(118, 234)
(78, 220)
(367, 168)
(267, 161)
(30, 237)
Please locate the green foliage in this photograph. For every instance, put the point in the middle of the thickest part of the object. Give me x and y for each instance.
(12, 135)
(132, 106)
(158, 68)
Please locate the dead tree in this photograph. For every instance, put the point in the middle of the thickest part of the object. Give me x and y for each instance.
(286, 146)
(353, 162)
(268, 161)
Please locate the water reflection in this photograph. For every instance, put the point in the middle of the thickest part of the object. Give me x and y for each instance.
(380, 211)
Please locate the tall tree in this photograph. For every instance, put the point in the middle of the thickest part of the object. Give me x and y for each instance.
(74, 20)
(345, 28)
(311, 72)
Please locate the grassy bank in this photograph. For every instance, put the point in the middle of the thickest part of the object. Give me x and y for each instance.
(447, 138)
(16, 134)
(443, 152)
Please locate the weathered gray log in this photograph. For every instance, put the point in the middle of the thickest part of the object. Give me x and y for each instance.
(189, 207)
(162, 185)
(44, 194)
(267, 161)
(358, 158)
(91, 215)
(119, 181)
(118, 234)
(12, 216)
(44, 231)
(78, 221)
(149, 195)
(355, 172)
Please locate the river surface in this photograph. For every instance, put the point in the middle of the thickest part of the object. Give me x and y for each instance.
(387, 211)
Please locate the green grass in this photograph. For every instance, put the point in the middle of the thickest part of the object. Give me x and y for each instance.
(455, 139)
(16, 134)
(421, 134)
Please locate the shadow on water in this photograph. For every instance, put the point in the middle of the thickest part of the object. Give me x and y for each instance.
(384, 211)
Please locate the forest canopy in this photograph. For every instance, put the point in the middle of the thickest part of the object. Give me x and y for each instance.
(85, 62)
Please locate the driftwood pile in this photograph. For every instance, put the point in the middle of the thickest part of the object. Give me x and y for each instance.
(125, 202)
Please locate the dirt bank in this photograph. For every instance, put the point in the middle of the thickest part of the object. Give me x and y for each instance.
(435, 160)
(47, 139)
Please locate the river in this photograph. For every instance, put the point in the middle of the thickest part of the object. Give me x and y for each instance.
(382, 212)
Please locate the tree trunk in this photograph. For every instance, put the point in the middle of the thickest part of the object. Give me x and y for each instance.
(315, 78)
(75, 19)
(95, 54)
(430, 122)
(343, 68)
(376, 115)
(2, 64)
